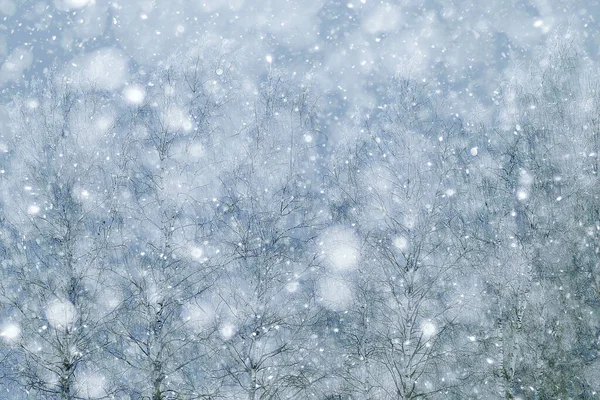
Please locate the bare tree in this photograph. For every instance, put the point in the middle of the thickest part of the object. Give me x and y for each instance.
(531, 192)
(168, 258)
(265, 224)
(54, 280)
(404, 181)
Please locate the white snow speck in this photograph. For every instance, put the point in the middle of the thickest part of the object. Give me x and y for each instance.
(227, 331)
(134, 94)
(401, 243)
(474, 151)
(522, 194)
(219, 71)
(76, 3)
(33, 104)
(10, 332)
(428, 329)
(103, 124)
(292, 286)
(196, 253)
(269, 58)
(33, 209)
(341, 249)
(61, 313)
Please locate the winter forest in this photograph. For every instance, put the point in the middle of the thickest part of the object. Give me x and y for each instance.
(299, 199)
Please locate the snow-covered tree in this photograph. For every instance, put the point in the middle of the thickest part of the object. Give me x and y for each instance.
(56, 289)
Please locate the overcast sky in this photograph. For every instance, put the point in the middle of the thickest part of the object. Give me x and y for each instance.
(347, 48)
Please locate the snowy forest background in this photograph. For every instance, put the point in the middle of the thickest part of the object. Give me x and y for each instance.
(299, 200)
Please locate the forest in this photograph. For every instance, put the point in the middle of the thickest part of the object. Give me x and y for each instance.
(194, 236)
